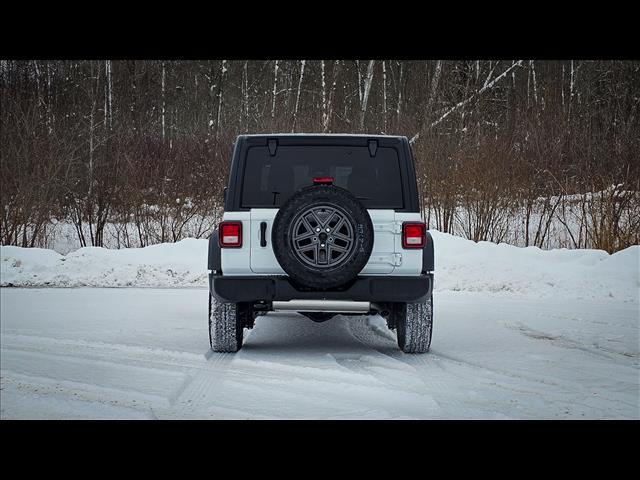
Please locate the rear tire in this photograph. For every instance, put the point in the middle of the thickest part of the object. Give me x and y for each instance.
(226, 325)
(414, 325)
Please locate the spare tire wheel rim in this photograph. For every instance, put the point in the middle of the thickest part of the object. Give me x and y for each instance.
(322, 236)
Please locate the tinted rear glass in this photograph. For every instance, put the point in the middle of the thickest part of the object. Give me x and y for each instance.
(270, 180)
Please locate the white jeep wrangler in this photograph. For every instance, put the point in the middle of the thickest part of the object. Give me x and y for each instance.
(321, 225)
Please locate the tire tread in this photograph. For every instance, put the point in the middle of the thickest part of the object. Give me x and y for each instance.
(416, 326)
(223, 326)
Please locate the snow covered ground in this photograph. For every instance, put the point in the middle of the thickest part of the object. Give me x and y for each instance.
(518, 333)
(144, 353)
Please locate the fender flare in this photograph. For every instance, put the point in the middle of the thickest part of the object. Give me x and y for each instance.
(214, 261)
(428, 256)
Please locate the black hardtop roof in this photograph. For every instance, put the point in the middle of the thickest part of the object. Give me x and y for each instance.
(301, 138)
(324, 135)
(244, 143)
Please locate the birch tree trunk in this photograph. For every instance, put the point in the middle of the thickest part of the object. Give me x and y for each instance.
(359, 81)
(332, 91)
(223, 70)
(435, 80)
(89, 200)
(532, 65)
(275, 84)
(245, 72)
(107, 95)
(110, 83)
(324, 95)
(571, 90)
(384, 96)
(400, 89)
(164, 103)
(295, 110)
(365, 94)
(562, 86)
(50, 117)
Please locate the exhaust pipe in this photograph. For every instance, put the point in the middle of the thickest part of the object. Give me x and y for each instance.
(333, 306)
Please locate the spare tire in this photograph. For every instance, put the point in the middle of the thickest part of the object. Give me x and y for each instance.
(322, 236)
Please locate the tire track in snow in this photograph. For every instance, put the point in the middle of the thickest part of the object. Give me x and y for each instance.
(97, 371)
(198, 385)
(145, 381)
(66, 399)
(364, 331)
(114, 352)
(562, 341)
(560, 396)
(454, 395)
(111, 358)
(430, 374)
(261, 389)
(258, 384)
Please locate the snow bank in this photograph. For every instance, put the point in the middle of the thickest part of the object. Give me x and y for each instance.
(165, 265)
(461, 265)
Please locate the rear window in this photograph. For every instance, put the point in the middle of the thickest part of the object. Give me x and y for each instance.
(270, 180)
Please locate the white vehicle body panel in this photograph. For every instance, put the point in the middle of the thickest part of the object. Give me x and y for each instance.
(387, 257)
(235, 261)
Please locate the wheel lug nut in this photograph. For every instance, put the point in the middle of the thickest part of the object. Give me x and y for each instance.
(322, 244)
(318, 229)
(328, 229)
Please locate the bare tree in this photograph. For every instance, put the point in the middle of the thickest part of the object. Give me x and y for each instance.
(487, 86)
(134, 152)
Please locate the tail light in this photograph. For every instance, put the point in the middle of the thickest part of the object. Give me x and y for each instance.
(414, 235)
(230, 234)
(322, 180)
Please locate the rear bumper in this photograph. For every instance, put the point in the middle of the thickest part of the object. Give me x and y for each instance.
(371, 289)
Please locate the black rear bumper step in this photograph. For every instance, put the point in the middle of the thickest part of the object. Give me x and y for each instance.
(365, 288)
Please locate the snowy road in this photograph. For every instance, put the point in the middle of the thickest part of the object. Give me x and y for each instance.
(143, 353)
